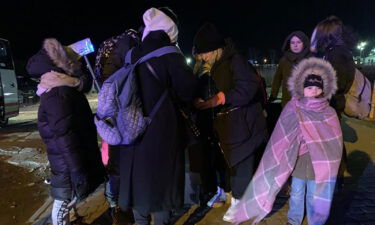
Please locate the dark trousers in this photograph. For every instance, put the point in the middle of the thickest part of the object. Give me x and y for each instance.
(207, 160)
(113, 183)
(160, 218)
(201, 162)
(240, 176)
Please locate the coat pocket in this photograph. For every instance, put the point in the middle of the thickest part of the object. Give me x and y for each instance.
(232, 127)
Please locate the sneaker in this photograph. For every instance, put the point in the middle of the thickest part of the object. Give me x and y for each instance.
(228, 215)
(218, 199)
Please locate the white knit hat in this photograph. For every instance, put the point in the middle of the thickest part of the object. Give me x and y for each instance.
(155, 19)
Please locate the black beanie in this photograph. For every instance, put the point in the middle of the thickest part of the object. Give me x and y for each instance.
(313, 80)
(168, 11)
(207, 39)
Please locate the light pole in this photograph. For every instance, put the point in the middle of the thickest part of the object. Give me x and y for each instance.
(361, 46)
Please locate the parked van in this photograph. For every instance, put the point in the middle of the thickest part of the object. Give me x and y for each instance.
(9, 106)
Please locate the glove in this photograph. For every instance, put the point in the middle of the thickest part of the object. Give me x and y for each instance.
(218, 99)
(55, 79)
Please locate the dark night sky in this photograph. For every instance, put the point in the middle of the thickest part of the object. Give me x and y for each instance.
(263, 24)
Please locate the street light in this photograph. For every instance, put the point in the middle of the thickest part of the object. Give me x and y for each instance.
(361, 46)
(188, 60)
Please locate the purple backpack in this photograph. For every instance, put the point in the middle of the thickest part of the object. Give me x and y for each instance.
(119, 118)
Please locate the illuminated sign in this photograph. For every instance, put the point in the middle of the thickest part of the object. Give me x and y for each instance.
(83, 47)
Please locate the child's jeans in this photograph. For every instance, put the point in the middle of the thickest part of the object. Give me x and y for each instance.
(297, 202)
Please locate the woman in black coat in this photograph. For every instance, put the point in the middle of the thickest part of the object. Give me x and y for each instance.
(152, 170)
(66, 125)
(239, 121)
(334, 42)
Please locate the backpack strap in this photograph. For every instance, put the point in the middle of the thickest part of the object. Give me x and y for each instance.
(159, 52)
(363, 88)
(162, 97)
(128, 57)
(156, 53)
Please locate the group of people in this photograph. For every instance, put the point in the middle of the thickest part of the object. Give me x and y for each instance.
(222, 93)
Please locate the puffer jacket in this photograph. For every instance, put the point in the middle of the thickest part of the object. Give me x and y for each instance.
(66, 125)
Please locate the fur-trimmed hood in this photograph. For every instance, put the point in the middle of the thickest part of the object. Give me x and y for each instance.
(62, 56)
(54, 57)
(315, 66)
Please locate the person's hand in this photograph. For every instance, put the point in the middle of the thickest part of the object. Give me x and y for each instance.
(53, 79)
(218, 99)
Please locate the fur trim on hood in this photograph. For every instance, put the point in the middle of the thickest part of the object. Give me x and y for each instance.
(63, 57)
(315, 66)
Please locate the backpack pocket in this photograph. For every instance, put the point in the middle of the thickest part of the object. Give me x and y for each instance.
(108, 131)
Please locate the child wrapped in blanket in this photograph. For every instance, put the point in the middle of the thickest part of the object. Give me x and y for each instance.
(306, 144)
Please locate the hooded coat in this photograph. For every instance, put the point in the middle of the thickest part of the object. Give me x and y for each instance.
(152, 170)
(66, 125)
(286, 64)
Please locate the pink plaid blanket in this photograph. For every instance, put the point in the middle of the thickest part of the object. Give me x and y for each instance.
(306, 124)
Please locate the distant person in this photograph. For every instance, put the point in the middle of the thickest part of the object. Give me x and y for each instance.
(66, 125)
(306, 144)
(152, 170)
(295, 48)
(238, 120)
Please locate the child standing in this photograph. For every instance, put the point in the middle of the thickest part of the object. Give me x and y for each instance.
(306, 144)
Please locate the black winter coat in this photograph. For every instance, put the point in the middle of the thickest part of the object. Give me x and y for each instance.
(66, 125)
(152, 171)
(243, 130)
(342, 61)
